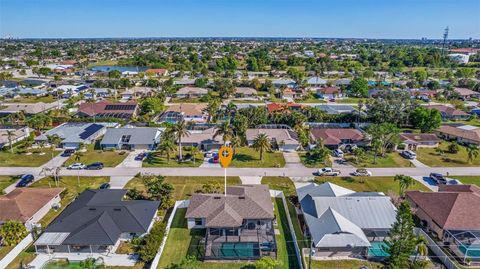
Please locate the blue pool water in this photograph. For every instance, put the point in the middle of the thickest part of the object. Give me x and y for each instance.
(377, 250)
(473, 252)
(239, 250)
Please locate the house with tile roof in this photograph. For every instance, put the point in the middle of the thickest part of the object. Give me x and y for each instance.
(462, 134)
(107, 109)
(338, 137)
(412, 141)
(241, 219)
(450, 113)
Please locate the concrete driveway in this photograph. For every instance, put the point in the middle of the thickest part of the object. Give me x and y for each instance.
(130, 160)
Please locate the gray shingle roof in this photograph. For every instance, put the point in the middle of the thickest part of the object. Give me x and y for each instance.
(138, 135)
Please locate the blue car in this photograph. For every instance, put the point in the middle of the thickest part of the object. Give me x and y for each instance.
(25, 180)
(94, 166)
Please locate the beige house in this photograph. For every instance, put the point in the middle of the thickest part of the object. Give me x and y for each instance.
(463, 134)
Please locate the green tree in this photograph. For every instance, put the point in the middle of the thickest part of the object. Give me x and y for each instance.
(10, 134)
(44, 71)
(267, 262)
(213, 109)
(383, 135)
(166, 147)
(420, 76)
(472, 152)
(91, 263)
(453, 148)
(261, 143)
(358, 87)
(12, 232)
(402, 241)
(114, 74)
(180, 130)
(226, 131)
(426, 119)
(404, 183)
(157, 188)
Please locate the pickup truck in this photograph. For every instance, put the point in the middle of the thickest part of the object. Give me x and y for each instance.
(328, 171)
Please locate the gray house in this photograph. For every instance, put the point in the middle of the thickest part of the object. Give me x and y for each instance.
(96, 222)
(75, 133)
(131, 138)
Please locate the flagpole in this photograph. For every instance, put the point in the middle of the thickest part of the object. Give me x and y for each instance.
(225, 169)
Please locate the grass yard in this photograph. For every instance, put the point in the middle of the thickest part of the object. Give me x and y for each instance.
(24, 257)
(391, 159)
(26, 158)
(70, 183)
(468, 179)
(311, 100)
(285, 246)
(109, 158)
(248, 157)
(184, 187)
(103, 62)
(343, 264)
(4, 250)
(432, 157)
(351, 100)
(33, 99)
(6, 181)
(186, 100)
(369, 184)
(313, 164)
(156, 159)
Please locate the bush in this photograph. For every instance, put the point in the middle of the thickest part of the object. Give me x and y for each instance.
(147, 246)
(453, 148)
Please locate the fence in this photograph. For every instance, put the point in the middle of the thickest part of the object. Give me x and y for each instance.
(439, 253)
(15, 251)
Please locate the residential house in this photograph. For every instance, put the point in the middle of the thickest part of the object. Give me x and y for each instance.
(339, 137)
(16, 92)
(67, 91)
(202, 139)
(316, 82)
(283, 107)
(343, 223)
(463, 134)
(188, 112)
(450, 113)
(329, 93)
(17, 134)
(27, 109)
(241, 219)
(28, 205)
(291, 94)
(282, 139)
(289, 83)
(158, 72)
(191, 92)
(185, 82)
(107, 109)
(137, 92)
(73, 134)
(131, 138)
(252, 75)
(96, 222)
(343, 82)
(245, 92)
(413, 141)
(466, 94)
(338, 109)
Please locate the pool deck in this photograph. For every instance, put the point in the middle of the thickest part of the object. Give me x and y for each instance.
(109, 259)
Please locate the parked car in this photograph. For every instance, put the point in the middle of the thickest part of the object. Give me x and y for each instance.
(214, 159)
(25, 180)
(408, 154)
(68, 152)
(94, 166)
(328, 171)
(104, 186)
(141, 156)
(438, 178)
(209, 154)
(338, 153)
(362, 172)
(76, 166)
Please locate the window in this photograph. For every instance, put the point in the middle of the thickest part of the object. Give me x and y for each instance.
(198, 222)
(232, 232)
(126, 138)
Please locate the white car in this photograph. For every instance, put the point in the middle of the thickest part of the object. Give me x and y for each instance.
(338, 153)
(76, 166)
(328, 171)
(362, 173)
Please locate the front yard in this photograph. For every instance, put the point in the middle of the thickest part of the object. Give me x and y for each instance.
(109, 158)
(313, 163)
(441, 157)
(391, 159)
(26, 158)
(369, 184)
(6, 181)
(248, 157)
(468, 179)
(156, 159)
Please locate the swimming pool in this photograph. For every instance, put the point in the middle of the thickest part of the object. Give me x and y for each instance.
(474, 252)
(239, 250)
(377, 249)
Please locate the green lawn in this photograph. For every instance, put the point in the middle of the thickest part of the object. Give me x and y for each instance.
(369, 184)
(311, 100)
(4, 251)
(32, 99)
(156, 159)
(431, 157)
(391, 159)
(184, 187)
(313, 164)
(468, 179)
(344, 264)
(248, 157)
(6, 181)
(24, 257)
(103, 62)
(27, 158)
(351, 100)
(186, 100)
(109, 158)
(70, 183)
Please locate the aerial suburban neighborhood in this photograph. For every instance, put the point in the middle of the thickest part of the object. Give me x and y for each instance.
(238, 152)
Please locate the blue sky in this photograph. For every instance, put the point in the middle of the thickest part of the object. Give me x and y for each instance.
(242, 18)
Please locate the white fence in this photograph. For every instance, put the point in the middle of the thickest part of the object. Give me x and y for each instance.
(279, 194)
(178, 204)
(439, 253)
(15, 251)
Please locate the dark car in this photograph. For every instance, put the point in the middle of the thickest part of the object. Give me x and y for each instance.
(214, 159)
(94, 166)
(140, 156)
(68, 153)
(104, 186)
(438, 178)
(25, 180)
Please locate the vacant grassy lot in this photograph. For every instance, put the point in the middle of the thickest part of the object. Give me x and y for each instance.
(391, 159)
(312, 164)
(372, 184)
(184, 187)
(73, 186)
(432, 157)
(27, 158)
(343, 264)
(109, 158)
(33, 99)
(468, 179)
(248, 157)
(156, 159)
(6, 181)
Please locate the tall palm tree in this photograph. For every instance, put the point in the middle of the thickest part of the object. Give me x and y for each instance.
(472, 152)
(194, 151)
(180, 130)
(226, 131)
(422, 249)
(9, 134)
(261, 143)
(166, 147)
(405, 182)
(77, 156)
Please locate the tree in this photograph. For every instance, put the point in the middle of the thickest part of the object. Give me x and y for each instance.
(54, 140)
(422, 249)
(44, 71)
(12, 232)
(212, 109)
(10, 134)
(266, 262)
(472, 152)
(420, 76)
(358, 87)
(404, 183)
(211, 187)
(383, 135)
(453, 148)
(391, 106)
(261, 143)
(151, 105)
(148, 245)
(166, 147)
(180, 130)
(157, 188)
(77, 155)
(426, 119)
(91, 263)
(359, 154)
(226, 131)
(194, 151)
(114, 74)
(189, 262)
(402, 241)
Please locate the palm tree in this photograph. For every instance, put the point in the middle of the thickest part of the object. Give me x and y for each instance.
(166, 147)
(405, 182)
(262, 143)
(180, 130)
(226, 131)
(77, 156)
(194, 151)
(422, 249)
(212, 109)
(472, 152)
(9, 134)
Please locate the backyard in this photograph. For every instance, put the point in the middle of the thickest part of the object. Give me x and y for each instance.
(249, 157)
(157, 159)
(344, 264)
(33, 99)
(109, 158)
(441, 156)
(26, 158)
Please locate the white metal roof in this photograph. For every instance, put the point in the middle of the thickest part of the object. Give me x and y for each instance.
(52, 239)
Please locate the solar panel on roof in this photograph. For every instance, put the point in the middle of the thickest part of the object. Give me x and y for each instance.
(120, 107)
(90, 130)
